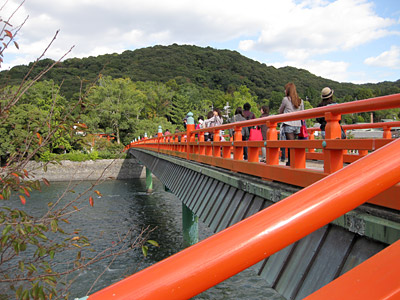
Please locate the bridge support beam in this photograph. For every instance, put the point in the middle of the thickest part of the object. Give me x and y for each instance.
(149, 181)
(190, 224)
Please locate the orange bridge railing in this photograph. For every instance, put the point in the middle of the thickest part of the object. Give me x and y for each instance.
(332, 152)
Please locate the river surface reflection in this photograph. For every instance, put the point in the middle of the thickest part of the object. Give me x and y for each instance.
(125, 205)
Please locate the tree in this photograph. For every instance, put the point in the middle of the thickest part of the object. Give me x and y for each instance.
(275, 102)
(32, 127)
(117, 104)
(150, 127)
(362, 94)
(159, 98)
(242, 96)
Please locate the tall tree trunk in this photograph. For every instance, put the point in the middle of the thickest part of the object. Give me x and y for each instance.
(117, 131)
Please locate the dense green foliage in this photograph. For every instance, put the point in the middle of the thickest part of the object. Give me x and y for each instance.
(205, 67)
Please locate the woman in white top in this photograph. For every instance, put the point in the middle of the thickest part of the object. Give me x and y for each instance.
(215, 120)
(291, 103)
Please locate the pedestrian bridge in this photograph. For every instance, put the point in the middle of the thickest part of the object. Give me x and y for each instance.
(325, 227)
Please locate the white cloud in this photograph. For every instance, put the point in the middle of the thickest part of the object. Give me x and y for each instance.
(335, 70)
(319, 28)
(390, 59)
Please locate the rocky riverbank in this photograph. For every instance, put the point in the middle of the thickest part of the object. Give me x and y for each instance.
(88, 170)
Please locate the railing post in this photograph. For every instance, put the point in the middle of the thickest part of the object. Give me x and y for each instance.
(272, 157)
(333, 159)
(252, 154)
(209, 149)
(216, 149)
(202, 149)
(238, 150)
(226, 151)
(176, 141)
(311, 138)
(189, 129)
(387, 134)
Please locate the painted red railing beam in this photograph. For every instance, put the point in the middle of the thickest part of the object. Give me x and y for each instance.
(242, 245)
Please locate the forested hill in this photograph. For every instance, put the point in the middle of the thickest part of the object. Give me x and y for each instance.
(207, 67)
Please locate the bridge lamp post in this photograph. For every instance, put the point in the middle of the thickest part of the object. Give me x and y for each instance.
(190, 222)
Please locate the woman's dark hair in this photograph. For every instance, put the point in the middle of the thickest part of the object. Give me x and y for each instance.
(218, 111)
(326, 101)
(247, 106)
(265, 109)
(200, 118)
(239, 111)
(210, 115)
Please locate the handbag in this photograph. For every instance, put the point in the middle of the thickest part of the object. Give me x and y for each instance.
(303, 130)
(255, 135)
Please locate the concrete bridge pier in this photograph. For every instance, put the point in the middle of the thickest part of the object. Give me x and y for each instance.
(190, 226)
(149, 180)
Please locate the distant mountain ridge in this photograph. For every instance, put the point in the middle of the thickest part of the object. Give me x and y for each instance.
(216, 69)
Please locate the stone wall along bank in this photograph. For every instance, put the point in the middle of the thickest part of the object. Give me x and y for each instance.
(88, 170)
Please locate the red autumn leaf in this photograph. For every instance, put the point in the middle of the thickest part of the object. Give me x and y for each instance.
(98, 193)
(23, 200)
(16, 176)
(46, 182)
(8, 33)
(91, 201)
(1, 197)
(26, 191)
(16, 45)
(81, 125)
(26, 173)
(39, 137)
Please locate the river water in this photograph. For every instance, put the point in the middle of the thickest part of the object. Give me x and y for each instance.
(125, 205)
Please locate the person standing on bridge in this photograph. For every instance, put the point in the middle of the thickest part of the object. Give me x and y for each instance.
(247, 113)
(264, 113)
(239, 117)
(291, 103)
(200, 122)
(208, 135)
(327, 99)
(215, 120)
(249, 116)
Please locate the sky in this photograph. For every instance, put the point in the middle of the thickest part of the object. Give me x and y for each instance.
(344, 40)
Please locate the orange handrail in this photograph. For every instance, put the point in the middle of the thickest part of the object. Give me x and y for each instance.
(372, 125)
(240, 246)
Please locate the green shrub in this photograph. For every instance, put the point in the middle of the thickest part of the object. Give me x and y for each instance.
(75, 156)
(113, 152)
(94, 155)
(47, 156)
